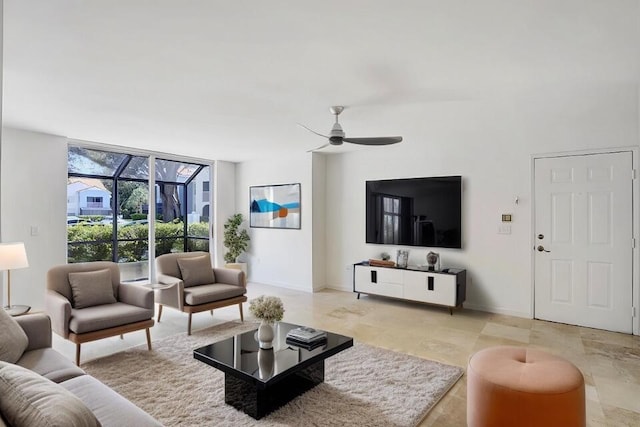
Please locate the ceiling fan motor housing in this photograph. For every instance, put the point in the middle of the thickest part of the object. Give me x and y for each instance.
(335, 140)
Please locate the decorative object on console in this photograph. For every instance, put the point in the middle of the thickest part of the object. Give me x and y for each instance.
(13, 256)
(433, 261)
(381, 263)
(275, 206)
(385, 256)
(268, 310)
(235, 240)
(402, 258)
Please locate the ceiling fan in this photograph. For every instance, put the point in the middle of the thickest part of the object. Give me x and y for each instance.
(337, 135)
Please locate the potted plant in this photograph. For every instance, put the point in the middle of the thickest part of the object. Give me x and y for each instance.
(236, 241)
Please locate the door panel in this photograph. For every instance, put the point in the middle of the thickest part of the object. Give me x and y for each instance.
(583, 208)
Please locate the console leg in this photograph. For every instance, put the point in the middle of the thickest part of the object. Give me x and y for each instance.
(358, 295)
(451, 311)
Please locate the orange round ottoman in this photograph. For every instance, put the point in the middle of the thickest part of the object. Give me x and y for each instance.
(513, 386)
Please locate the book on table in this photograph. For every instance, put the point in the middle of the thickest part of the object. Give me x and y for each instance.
(306, 335)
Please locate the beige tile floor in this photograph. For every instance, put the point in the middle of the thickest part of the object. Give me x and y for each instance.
(609, 361)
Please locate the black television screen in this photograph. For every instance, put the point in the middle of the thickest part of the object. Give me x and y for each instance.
(415, 212)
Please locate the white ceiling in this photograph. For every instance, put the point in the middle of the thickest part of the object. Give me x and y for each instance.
(230, 79)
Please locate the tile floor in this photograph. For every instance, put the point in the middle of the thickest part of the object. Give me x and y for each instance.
(609, 361)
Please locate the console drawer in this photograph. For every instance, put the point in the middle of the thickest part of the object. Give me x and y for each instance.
(378, 281)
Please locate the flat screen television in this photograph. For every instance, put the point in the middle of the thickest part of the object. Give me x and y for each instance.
(415, 212)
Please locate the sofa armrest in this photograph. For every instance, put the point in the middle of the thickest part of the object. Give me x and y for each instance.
(59, 310)
(137, 295)
(229, 276)
(173, 294)
(37, 326)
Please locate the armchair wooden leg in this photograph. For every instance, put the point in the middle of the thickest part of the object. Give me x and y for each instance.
(241, 316)
(211, 312)
(121, 336)
(189, 325)
(77, 354)
(148, 339)
(159, 312)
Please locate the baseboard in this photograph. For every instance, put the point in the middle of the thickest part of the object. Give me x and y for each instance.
(338, 288)
(284, 285)
(497, 310)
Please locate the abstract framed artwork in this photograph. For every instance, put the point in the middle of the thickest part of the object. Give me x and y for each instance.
(274, 206)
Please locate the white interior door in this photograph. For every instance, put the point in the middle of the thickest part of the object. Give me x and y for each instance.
(584, 240)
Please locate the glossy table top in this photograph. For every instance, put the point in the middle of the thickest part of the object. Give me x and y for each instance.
(241, 356)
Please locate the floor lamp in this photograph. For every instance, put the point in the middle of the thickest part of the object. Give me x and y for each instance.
(13, 256)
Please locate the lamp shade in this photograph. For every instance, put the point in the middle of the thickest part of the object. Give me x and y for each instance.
(12, 256)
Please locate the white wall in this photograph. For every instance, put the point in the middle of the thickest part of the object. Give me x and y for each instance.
(281, 257)
(34, 188)
(490, 143)
(224, 204)
(319, 247)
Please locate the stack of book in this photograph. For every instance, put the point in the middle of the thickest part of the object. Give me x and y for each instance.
(307, 338)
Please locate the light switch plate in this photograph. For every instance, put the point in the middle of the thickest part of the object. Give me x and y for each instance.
(504, 229)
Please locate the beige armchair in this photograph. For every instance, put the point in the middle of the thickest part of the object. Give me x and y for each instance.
(195, 286)
(87, 302)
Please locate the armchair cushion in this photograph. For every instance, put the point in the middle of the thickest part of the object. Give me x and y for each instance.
(209, 293)
(13, 340)
(90, 288)
(106, 316)
(196, 271)
(28, 399)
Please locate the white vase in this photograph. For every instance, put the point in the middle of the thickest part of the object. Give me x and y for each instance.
(265, 363)
(265, 335)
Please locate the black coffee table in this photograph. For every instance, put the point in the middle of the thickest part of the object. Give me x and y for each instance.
(259, 381)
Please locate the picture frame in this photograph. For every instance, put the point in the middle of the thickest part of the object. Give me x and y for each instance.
(275, 206)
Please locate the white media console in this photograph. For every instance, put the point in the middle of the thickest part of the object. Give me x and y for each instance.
(447, 286)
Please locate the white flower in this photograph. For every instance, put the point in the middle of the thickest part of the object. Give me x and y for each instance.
(269, 309)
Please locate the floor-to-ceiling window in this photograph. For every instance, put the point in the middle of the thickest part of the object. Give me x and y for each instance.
(108, 208)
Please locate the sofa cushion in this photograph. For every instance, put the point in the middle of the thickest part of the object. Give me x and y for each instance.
(106, 316)
(29, 399)
(109, 407)
(13, 340)
(196, 271)
(90, 288)
(209, 293)
(50, 364)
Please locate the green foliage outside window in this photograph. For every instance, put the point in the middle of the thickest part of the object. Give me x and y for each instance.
(169, 238)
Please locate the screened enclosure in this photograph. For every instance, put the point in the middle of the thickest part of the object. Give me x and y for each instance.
(109, 210)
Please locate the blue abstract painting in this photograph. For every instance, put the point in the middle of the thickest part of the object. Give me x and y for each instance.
(274, 206)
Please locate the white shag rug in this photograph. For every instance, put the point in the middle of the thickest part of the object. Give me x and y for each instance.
(364, 385)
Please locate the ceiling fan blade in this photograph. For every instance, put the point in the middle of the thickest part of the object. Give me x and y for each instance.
(385, 140)
(318, 148)
(312, 131)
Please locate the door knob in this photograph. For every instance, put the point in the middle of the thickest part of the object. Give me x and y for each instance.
(541, 248)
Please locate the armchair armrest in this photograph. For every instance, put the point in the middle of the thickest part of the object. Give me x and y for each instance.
(136, 295)
(229, 276)
(173, 294)
(37, 326)
(59, 310)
